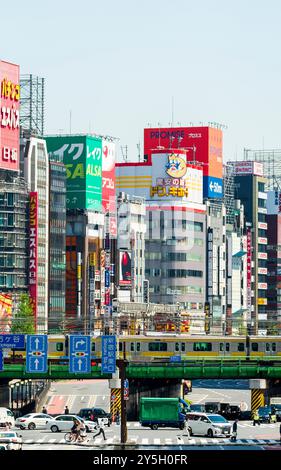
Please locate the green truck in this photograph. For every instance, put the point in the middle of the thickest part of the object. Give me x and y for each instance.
(155, 412)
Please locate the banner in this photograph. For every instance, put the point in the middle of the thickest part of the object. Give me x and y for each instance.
(125, 264)
(33, 247)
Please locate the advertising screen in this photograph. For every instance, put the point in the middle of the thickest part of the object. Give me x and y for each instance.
(82, 157)
(125, 265)
(203, 144)
(9, 116)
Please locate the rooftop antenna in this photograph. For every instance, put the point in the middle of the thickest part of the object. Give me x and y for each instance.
(70, 121)
(139, 155)
(172, 111)
(159, 125)
(124, 151)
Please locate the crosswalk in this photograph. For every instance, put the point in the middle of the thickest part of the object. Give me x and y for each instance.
(177, 441)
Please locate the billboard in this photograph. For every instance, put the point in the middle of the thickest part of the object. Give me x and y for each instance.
(203, 144)
(108, 177)
(249, 269)
(212, 187)
(82, 157)
(273, 203)
(247, 168)
(173, 178)
(5, 312)
(33, 247)
(9, 116)
(125, 266)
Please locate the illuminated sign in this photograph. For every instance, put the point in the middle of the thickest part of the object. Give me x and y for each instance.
(9, 116)
(33, 244)
(162, 191)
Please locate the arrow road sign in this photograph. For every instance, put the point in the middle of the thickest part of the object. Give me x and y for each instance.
(79, 354)
(36, 353)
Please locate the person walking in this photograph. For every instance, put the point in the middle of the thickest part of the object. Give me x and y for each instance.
(234, 431)
(186, 429)
(100, 430)
(66, 410)
(44, 410)
(117, 417)
(256, 418)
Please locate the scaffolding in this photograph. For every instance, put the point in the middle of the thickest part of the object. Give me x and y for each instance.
(32, 102)
(271, 160)
(229, 193)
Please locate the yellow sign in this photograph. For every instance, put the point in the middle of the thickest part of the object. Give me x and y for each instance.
(176, 166)
(93, 259)
(262, 301)
(162, 191)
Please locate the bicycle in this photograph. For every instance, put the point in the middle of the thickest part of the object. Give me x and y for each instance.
(71, 437)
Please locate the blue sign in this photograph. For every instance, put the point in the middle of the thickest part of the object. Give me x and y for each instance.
(79, 354)
(212, 187)
(108, 358)
(175, 359)
(12, 341)
(37, 353)
(1, 361)
(107, 278)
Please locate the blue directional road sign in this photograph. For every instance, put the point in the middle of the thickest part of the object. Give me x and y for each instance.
(80, 354)
(108, 358)
(12, 341)
(36, 353)
(175, 359)
(1, 361)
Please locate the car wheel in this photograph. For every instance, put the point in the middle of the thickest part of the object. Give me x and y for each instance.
(54, 429)
(31, 426)
(154, 427)
(22, 428)
(210, 433)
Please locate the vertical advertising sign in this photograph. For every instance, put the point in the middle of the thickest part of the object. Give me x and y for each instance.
(91, 287)
(108, 177)
(125, 264)
(82, 157)
(9, 116)
(249, 269)
(33, 247)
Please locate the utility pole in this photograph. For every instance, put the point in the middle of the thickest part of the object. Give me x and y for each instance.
(122, 373)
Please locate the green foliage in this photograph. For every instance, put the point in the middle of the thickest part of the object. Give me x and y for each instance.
(23, 319)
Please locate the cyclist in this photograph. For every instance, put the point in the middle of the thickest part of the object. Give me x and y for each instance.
(75, 430)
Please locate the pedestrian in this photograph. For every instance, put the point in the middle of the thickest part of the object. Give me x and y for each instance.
(44, 410)
(273, 417)
(66, 410)
(117, 417)
(256, 418)
(186, 429)
(234, 431)
(99, 428)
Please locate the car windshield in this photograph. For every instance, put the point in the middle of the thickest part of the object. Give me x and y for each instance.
(217, 419)
(196, 407)
(264, 410)
(277, 407)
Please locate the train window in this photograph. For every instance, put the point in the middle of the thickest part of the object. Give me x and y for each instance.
(138, 346)
(255, 347)
(227, 347)
(59, 347)
(267, 347)
(120, 346)
(241, 347)
(157, 346)
(132, 346)
(183, 346)
(177, 347)
(273, 347)
(202, 347)
(221, 346)
(93, 347)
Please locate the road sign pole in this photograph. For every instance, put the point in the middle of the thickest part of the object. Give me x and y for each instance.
(122, 369)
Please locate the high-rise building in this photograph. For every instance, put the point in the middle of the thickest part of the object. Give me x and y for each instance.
(250, 189)
(35, 165)
(131, 247)
(57, 244)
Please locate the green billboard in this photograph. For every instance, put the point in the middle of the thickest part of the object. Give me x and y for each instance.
(82, 157)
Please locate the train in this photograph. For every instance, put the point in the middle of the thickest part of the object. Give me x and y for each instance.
(153, 346)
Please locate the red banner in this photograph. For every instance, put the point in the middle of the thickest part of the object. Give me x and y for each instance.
(33, 247)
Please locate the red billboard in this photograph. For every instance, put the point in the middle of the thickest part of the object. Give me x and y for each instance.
(9, 116)
(108, 177)
(33, 244)
(203, 144)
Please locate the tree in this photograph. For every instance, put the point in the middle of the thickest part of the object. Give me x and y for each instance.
(23, 320)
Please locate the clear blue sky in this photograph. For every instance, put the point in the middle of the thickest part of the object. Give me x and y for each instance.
(116, 64)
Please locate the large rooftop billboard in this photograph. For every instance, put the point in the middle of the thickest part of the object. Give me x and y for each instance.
(9, 116)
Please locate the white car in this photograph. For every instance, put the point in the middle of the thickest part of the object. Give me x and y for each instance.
(65, 423)
(7, 416)
(10, 440)
(208, 424)
(33, 421)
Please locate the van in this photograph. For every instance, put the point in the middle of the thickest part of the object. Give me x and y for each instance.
(208, 424)
(7, 416)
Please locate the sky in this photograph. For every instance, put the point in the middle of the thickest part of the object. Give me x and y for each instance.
(116, 67)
